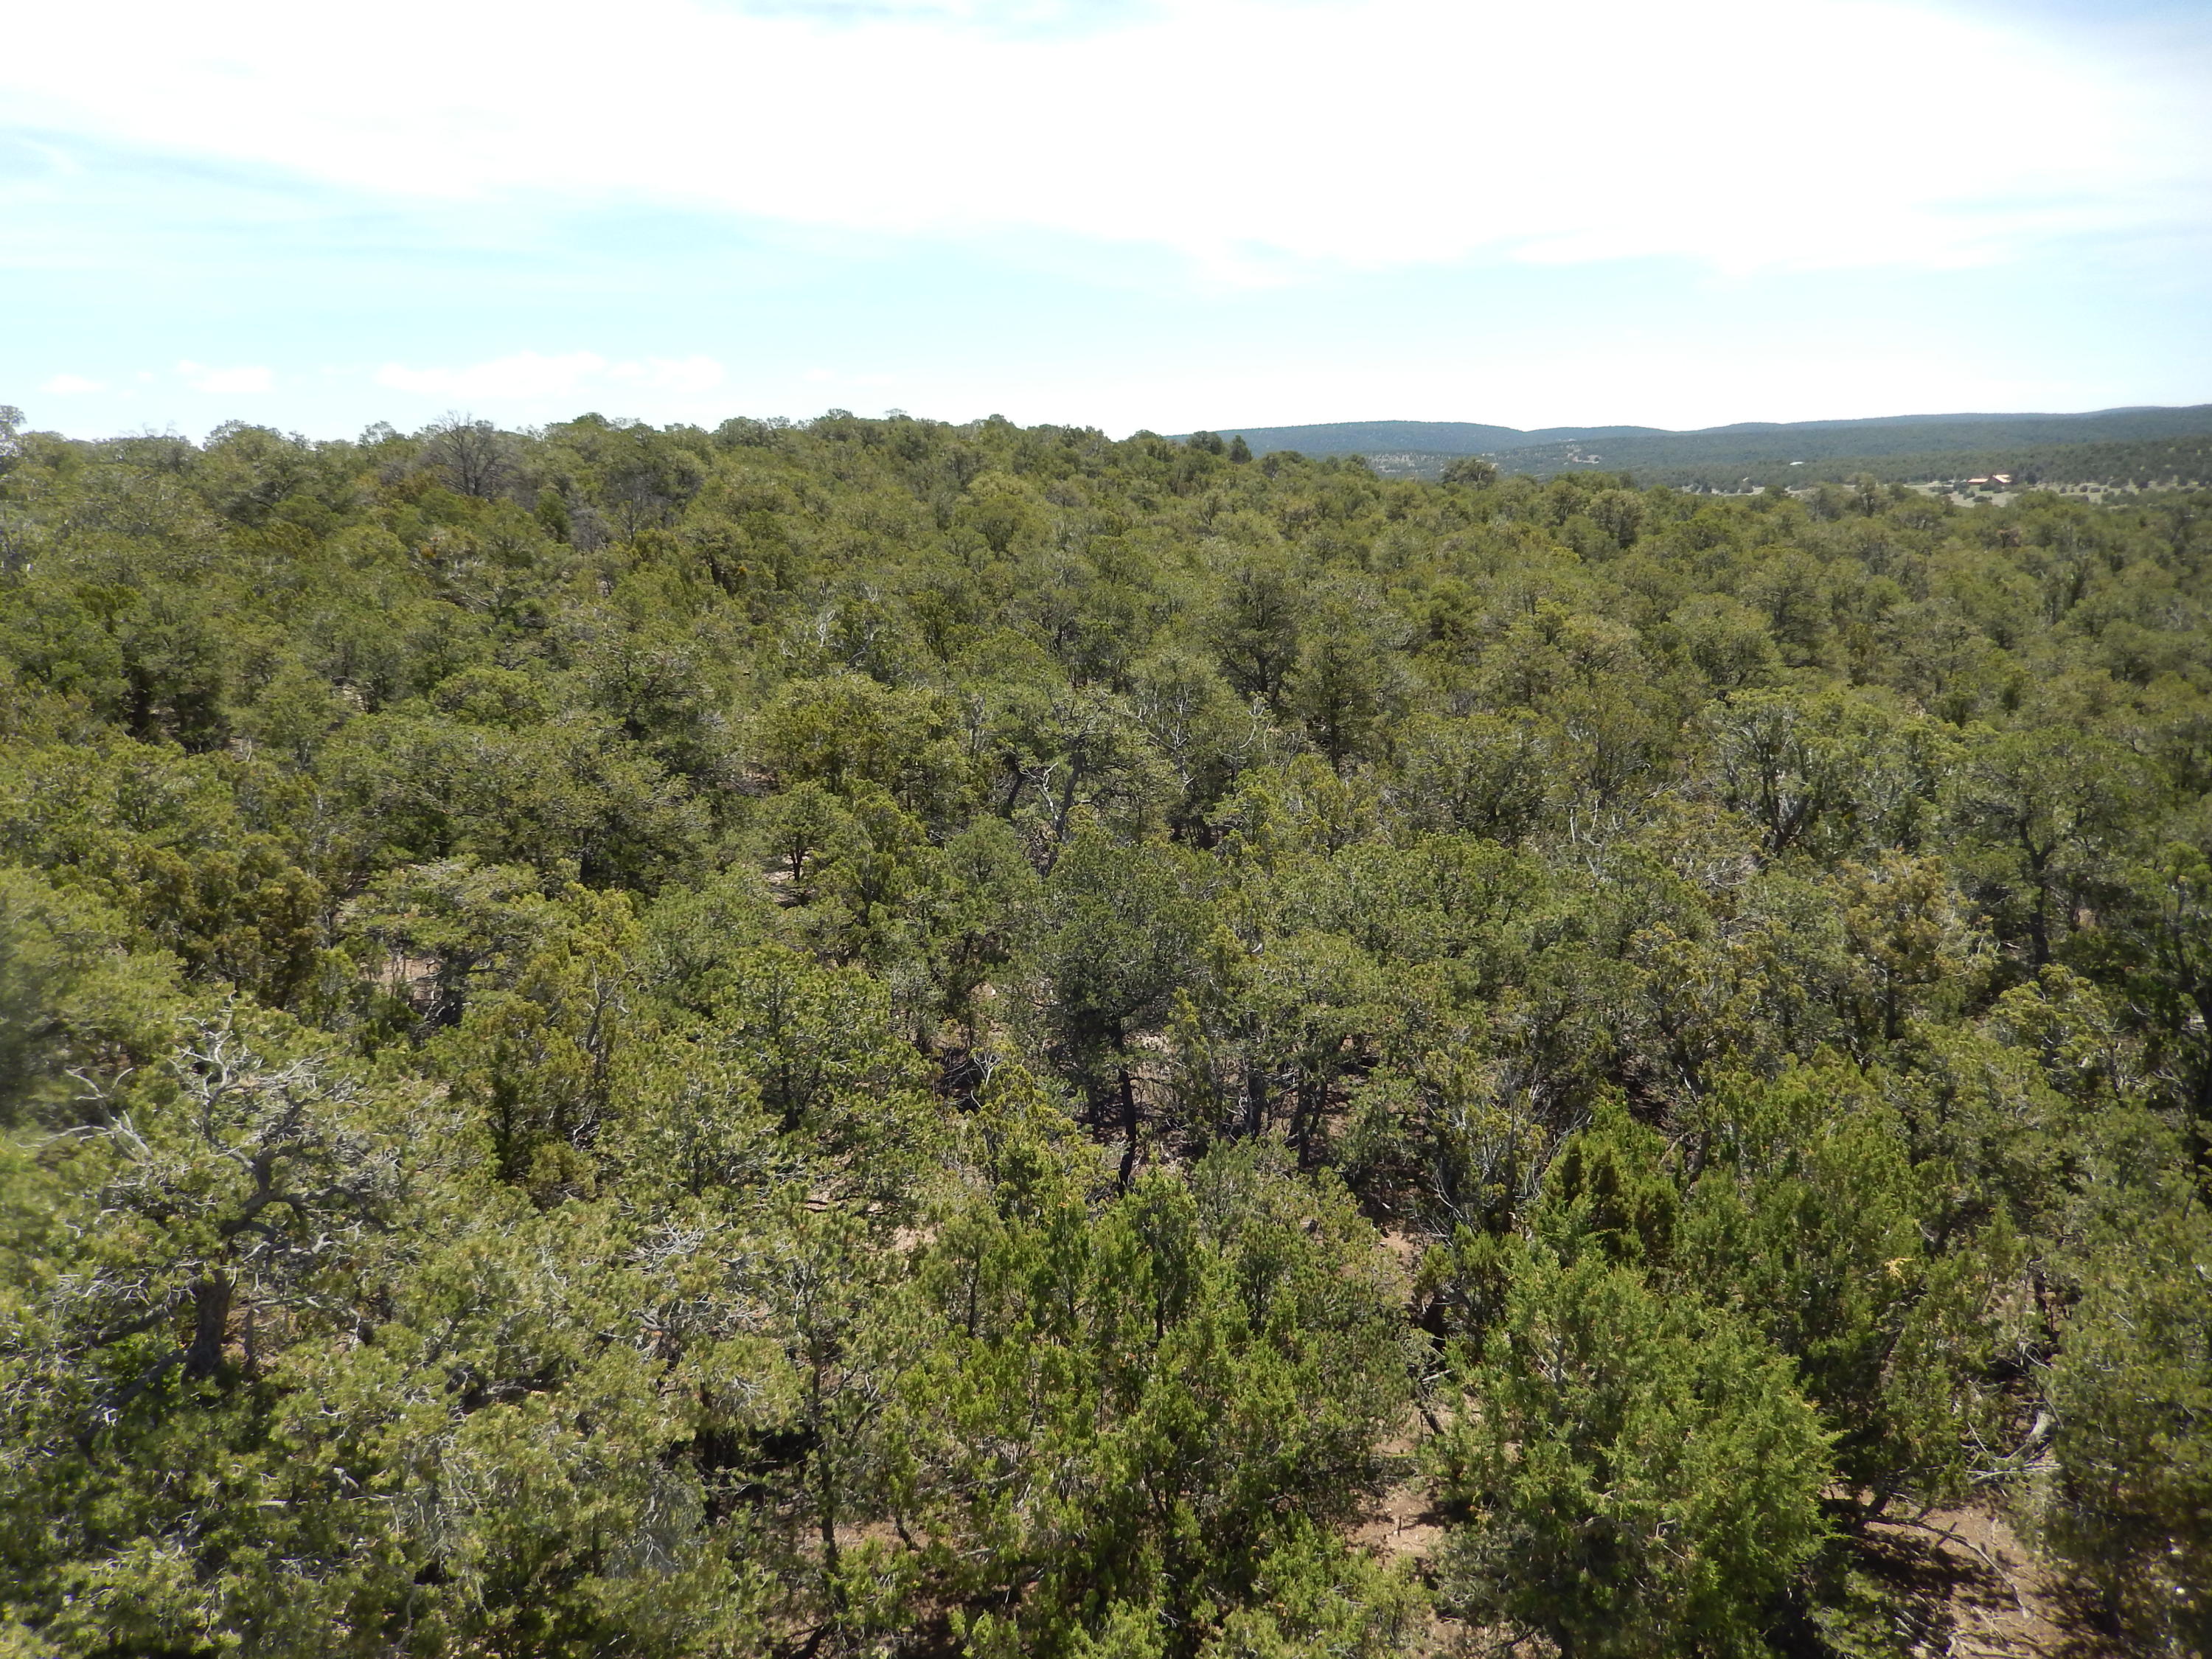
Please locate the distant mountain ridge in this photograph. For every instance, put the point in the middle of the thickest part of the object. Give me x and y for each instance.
(1747, 443)
(1424, 437)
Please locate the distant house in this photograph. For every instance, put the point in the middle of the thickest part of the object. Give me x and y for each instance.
(2000, 478)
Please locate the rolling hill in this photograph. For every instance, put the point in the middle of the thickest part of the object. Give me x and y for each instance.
(1756, 448)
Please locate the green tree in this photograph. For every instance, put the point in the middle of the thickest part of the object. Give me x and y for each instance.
(2130, 1394)
(1810, 1220)
(1639, 1475)
(2044, 806)
(1258, 628)
(1204, 1364)
(1124, 930)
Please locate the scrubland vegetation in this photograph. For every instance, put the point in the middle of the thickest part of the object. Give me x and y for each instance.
(878, 1038)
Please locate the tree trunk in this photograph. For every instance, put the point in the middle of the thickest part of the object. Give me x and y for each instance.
(1129, 1128)
(210, 1318)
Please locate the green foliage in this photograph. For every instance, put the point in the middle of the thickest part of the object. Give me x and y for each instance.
(1205, 1366)
(1810, 1218)
(2133, 1483)
(876, 1038)
(76, 1007)
(1639, 1473)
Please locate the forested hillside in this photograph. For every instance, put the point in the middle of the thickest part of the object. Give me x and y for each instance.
(2126, 448)
(2145, 465)
(2150, 466)
(878, 1038)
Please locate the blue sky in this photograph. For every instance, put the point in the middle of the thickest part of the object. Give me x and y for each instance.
(1125, 213)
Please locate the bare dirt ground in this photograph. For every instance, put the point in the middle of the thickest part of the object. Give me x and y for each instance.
(1403, 1523)
(1971, 1589)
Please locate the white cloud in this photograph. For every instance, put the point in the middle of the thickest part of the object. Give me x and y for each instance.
(1013, 17)
(68, 384)
(527, 377)
(680, 374)
(201, 378)
(1259, 138)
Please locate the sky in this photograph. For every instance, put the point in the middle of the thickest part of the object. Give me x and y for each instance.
(1163, 214)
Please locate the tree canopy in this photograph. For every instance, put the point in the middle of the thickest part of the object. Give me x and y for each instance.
(875, 1037)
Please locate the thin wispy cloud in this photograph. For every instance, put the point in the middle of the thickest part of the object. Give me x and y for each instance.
(1001, 17)
(227, 381)
(529, 377)
(1255, 139)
